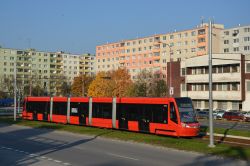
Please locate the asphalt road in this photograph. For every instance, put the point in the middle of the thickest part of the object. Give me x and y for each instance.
(27, 146)
(227, 124)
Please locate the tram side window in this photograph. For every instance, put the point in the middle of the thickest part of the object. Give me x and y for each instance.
(77, 108)
(160, 113)
(173, 115)
(38, 107)
(132, 111)
(60, 108)
(102, 110)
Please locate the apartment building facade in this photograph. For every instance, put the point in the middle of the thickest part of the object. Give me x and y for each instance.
(231, 81)
(236, 40)
(48, 69)
(153, 52)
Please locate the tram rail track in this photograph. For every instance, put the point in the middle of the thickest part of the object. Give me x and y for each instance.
(229, 139)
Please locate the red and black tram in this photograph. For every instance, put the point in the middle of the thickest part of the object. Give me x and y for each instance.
(165, 116)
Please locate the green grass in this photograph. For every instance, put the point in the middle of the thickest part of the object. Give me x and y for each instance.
(188, 144)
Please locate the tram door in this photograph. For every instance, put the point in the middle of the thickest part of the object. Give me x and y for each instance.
(123, 119)
(82, 116)
(144, 119)
(46, 107)
(35, 115)
(45, 116)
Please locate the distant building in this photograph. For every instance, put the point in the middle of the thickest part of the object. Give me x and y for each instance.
(231, 81)
(153, 52)
(48, 69)
(236, 40)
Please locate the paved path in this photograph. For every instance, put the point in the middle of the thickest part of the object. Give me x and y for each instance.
(27, 146)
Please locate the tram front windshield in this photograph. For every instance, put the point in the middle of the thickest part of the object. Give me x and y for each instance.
(186, 110)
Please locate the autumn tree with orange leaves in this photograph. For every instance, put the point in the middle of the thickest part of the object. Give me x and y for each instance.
(101, 86)
(81, 84)
(121, 81)
(110, 84)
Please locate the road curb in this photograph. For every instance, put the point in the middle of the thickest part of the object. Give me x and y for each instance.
(230, 136)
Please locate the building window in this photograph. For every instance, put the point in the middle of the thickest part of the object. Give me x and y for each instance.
(226, 50)
(246, 48)
(246, 29)
(226, 69)
(201, 40)
(235, 68)
(193, 42)
(178, 43)
(193, 33)
(235, 105)
(203, 48)
(236, 40)
(219, 87)
(164, 38)
(236, 49)
(183, 87)
(226, 41)
(234, 86)
(171, 36)
(248, 67)
(201, 32)
(226, 33)
(183, 71)
(206, 103)
(224, 86)
(246, 39)
(248, 86)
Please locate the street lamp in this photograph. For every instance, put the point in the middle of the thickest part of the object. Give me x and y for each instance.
(210, 88)
(15, 89)
(171, 89)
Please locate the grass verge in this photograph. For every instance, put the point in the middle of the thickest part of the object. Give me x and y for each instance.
(195, 145)
(234, 132)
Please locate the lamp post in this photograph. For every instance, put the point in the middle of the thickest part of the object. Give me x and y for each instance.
(210, 89)
(15, 89)
(171, 89)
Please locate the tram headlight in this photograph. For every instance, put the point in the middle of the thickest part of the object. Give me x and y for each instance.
(184, 125)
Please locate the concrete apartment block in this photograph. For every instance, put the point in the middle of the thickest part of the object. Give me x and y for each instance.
(231, 81)
(153, 52)
(236, 40)
(47, 69)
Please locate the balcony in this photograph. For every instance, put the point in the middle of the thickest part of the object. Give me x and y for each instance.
(217, 95)
(217, 77)
(157, 39)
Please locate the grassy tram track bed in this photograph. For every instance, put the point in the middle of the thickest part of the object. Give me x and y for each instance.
(188, 144)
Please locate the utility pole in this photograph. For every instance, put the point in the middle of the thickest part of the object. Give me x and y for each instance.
(211, 130)
(15, 88)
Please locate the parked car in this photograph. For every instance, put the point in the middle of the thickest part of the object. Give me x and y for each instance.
(233, 116)
(203, 114)
(247, 116)
(219, 113)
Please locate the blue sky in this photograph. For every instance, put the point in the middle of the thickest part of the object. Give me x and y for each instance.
(77, 26)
